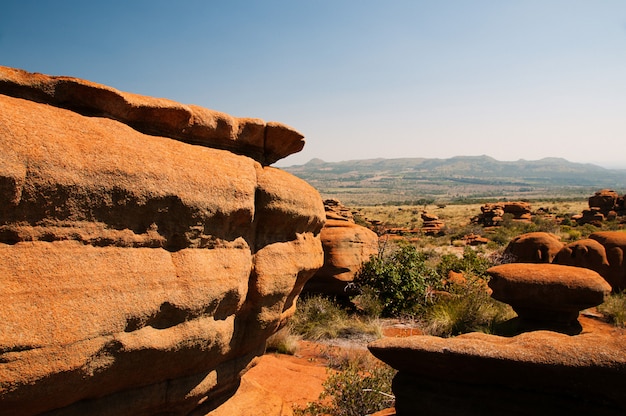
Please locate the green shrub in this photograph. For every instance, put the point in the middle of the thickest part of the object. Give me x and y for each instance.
(401, 280)
(353, 391)
(614, 308)
(471, 264)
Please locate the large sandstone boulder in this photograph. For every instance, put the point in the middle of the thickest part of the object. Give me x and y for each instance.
(537, 247)
(603, 252)
(265, 142)
(547, 292)
(586, 253)
(139, 275)
(534, 373)
(346, 247)
(614, 243)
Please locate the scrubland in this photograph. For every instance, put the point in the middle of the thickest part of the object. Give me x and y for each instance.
(407, 284)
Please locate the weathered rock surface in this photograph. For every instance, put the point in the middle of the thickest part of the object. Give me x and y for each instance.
(614, 243)
(265, 142)
(586, 253)
(538, 373)
(547, 292)
(139, 275)
(537, 247)
(252, 399)
(346, 247)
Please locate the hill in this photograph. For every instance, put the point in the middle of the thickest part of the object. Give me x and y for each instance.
(457, 179)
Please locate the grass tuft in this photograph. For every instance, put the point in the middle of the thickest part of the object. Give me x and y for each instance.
(319, 318)
(614, 308)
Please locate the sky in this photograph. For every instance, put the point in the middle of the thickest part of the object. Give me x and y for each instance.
(360, 79)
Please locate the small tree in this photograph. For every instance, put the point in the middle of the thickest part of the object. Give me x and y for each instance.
(402, 280)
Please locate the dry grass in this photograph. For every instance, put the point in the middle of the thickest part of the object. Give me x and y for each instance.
(455, 216)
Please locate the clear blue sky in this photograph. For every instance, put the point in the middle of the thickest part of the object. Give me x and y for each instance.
(512, 79)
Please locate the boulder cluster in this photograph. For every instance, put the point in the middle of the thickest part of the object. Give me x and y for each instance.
(603, 252)
(492, 214)
(550, 366)
(605, 204)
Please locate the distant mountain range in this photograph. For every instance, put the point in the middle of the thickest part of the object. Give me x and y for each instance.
(461, 178)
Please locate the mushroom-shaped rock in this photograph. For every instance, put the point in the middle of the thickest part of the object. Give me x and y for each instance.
(537, 247)
(547, 292)
(540, 372)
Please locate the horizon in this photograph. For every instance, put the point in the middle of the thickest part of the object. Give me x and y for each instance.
(282, 165)
(359, 79)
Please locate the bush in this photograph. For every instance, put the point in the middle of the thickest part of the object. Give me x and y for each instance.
(353, 391)
(402, 280)
(471, 264)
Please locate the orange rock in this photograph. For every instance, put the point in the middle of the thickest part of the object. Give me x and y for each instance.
(139, 274)
(538, 372)
(346, 247)
(586, 253)
(251, 399)
(547, 292)
(265, 142)
(605, 200)
(614, 243)
(537, 247)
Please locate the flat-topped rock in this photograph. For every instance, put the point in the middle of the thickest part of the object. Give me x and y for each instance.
(264, 142)
(539, 372)
(547, 292)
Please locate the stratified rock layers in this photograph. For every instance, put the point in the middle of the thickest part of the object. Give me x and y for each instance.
(139, 275)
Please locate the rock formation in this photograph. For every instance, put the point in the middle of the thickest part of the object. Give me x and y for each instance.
(603, 252)
(534, 373)
(604, 204)
(346, 247)
(474, 240)
(264, 142)
(547, 293)
(432, 224)
(140, 275)
(537, 372)
(537, 247)
(614, 243)
(492, 214)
